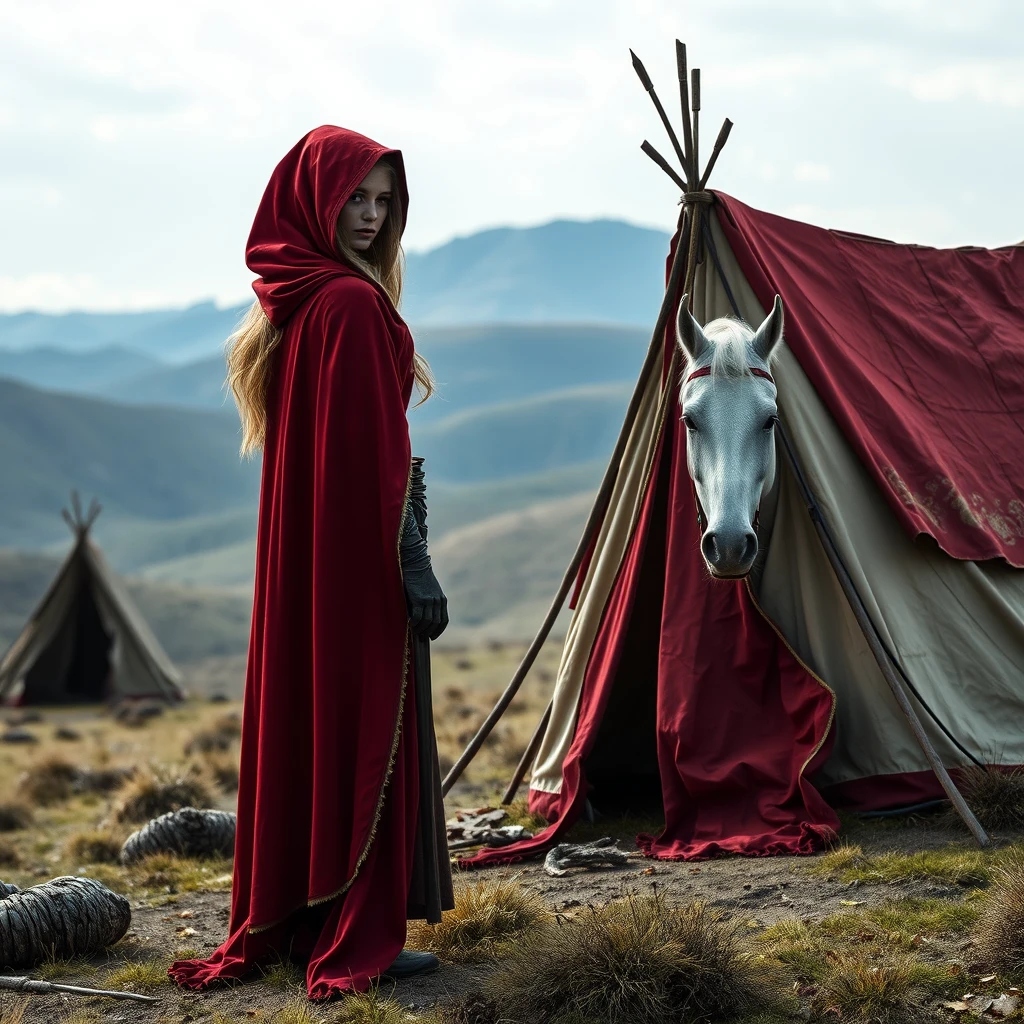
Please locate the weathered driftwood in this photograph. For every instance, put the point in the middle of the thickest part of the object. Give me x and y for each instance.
(189, 832)
(42, 988)
(59, 919)
(600, 853)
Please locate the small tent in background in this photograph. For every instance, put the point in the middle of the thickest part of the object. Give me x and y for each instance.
(86, 641)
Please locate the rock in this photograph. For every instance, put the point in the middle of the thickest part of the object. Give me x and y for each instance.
(18, 736)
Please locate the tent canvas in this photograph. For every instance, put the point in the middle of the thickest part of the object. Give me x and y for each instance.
(86, 641)
(741, 708)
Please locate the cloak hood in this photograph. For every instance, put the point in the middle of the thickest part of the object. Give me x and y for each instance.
(291, 244)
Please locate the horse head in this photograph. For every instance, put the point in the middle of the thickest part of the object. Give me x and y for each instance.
(728, 401)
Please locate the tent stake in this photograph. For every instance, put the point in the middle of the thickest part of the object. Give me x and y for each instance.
(593, 521)
(867, 627)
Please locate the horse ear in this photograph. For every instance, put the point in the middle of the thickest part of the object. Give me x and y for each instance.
(689, 333)
(769, 334)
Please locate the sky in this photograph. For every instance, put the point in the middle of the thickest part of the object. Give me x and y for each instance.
(136, 139)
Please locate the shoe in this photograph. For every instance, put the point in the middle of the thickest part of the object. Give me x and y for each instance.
(409, 963)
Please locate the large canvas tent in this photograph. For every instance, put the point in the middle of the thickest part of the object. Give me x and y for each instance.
(86, 641)
(746, 711)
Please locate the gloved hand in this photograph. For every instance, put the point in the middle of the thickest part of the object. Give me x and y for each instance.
(428, 607)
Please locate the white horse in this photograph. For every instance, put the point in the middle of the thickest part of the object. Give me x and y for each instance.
(728, 398)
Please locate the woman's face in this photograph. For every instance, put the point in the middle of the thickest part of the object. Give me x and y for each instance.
(364, 213)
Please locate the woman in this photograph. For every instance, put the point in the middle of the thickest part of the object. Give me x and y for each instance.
(328, 857)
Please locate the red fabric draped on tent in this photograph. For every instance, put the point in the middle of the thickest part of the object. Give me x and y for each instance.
(918, 354)
(740, 721)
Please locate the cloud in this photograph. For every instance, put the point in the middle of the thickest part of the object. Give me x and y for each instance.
(808, 171)
(158, 126)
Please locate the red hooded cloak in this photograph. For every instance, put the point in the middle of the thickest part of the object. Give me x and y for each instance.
(328, 723)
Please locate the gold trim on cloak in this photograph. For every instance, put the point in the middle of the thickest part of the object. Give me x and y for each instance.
(317, 900)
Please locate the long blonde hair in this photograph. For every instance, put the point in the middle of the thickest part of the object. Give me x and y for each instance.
(254, 339)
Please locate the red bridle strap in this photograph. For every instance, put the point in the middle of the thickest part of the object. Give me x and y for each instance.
(705, 371)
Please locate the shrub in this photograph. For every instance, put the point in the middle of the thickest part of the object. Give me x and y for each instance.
(995, 795)
(855, 989)
(49, 782)
(156, 792)
(9, 856)
(94, 847)
(14, 815)
(1000, 931)
(486, 918)
(634, 961)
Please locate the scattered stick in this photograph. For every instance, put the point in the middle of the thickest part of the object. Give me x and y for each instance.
(43, 988)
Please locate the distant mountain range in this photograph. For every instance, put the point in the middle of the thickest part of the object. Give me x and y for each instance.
(535, 336)
(601, 271)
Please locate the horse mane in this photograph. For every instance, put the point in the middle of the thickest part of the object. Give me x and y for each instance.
(732, 339)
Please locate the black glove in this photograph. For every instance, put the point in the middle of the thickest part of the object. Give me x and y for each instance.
(428, 607)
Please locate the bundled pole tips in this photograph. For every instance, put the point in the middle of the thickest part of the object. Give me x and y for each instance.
(641, 71)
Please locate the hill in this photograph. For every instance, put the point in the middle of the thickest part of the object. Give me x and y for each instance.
(501, 573)
(535, 435)
(171, 335)
(474, 366)
(63, 370)
(143, 463)
(601, 271)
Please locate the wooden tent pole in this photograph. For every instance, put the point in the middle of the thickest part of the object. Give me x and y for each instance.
(874, 643)
(593, 521)
(691, 267)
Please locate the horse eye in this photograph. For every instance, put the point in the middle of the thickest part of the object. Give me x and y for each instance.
(689, 424)
(769, 424)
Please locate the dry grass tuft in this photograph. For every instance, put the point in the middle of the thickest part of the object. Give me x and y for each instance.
(158, 791)
(996, 796)
(370, 1008)
(298, 1011)
(958, 865)
(96, 846)
(472, 1008)
(638, 960)
(223, 770)
(283, 974)
(486, 919)
(15, 815)
(49, 782)
(1000, 931)
(9, 856)
(12, 1008)
(140, 976)
(856, 990)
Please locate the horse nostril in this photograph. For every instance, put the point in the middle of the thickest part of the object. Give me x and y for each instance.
(749, 548)
(709, 548)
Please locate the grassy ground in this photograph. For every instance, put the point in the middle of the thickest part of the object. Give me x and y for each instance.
(884, 927)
